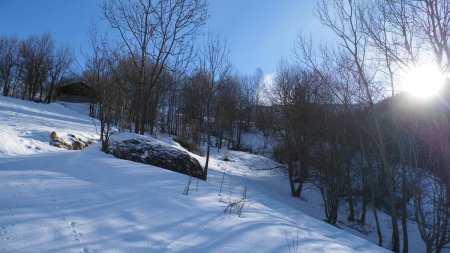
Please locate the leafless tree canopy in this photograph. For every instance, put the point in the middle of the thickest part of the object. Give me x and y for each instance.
(157, 35)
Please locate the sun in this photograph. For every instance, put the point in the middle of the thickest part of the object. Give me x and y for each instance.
(423, 81)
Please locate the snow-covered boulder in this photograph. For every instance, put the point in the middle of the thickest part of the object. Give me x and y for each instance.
(72, 142)
(158, 154)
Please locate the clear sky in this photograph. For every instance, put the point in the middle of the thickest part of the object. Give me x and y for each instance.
(259, 32)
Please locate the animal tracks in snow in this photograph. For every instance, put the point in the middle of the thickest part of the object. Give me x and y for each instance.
(70, 225)
(77, 235)
(4, 232)
(7, 226)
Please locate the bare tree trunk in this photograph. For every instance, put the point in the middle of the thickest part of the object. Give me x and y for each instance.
(6, 88)
(375, 215)
(351, 216)
(404, 210)
(208, 133)
(362, 219)
(395, 239)
(50, 93)
(365, 194)
(208, 149)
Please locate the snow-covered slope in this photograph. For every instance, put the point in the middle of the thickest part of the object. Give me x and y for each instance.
(25, 126)
(88, 201)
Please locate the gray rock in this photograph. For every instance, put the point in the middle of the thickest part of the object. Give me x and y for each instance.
(157, 154)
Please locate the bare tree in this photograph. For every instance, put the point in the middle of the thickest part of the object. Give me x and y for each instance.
(215, 64)
(99, 75)
(195, 96)
(432, 211)
(298, 94)
(407, 33)
(428, 171)
(35, 55)
(59, 67)
(157, 36)
(331, 160)
(226, 111)
(432, 18)
(9, 47)
(344, 18)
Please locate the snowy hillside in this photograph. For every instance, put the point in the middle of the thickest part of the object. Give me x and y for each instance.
(26, 126)
(88, 201)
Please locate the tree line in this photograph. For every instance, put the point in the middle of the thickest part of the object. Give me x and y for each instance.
(33, 67)
(347, 128)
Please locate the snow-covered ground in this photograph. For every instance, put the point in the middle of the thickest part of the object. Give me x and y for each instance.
(88, 201)
(25, 127)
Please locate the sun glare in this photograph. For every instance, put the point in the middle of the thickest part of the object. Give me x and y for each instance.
(423, 81)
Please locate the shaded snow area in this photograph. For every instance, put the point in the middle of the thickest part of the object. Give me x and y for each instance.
(89, 201)
(258, 143)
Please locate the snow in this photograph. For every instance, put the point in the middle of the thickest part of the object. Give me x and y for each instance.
(80, 108)
(89, 201)
(311, 203)
(258, 142)
(26, 126)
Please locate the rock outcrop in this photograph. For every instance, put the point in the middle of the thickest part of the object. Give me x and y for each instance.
(74, 142)
(157, 154)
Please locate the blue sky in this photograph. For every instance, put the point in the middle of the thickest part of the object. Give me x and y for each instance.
(259, 32)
